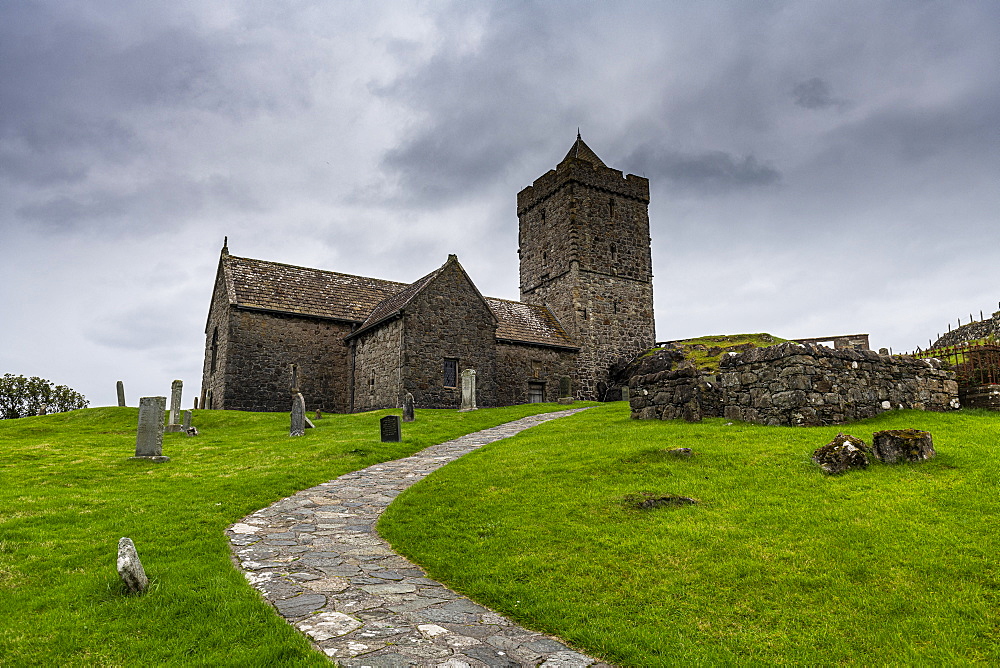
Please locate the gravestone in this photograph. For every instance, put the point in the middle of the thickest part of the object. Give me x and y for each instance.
(121, 393)
(130, 569)
(176, 388)
(565, 387)
(187, 420)
(468, 390)
(390, 430)
(408, 408)
(319, 414)
(298, 415)
(196, 403)
(149, 433)
(43, 409)
(625, 393)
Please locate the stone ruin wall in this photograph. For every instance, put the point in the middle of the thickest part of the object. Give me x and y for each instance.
(797, 385)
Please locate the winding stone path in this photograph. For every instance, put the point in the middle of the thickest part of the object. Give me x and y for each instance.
(317, 558)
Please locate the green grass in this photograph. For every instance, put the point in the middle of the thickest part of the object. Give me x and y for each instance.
(69, 492)
(777, 564)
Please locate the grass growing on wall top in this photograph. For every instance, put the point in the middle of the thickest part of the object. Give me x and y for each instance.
(69, 493)
(776, 564)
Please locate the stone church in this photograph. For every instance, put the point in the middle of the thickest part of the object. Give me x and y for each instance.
(359, 344)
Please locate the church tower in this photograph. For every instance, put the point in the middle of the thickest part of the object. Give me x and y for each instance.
(584, 250)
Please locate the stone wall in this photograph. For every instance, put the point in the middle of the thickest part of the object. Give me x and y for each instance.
(378, 360)
(254, 374)
(517, 365)
(973, 331)
(980, 396)
(794, 384)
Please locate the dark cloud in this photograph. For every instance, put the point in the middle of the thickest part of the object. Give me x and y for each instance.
(814, 94)
(710, 171)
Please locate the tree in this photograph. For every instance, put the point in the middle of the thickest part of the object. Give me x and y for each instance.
(21, 397)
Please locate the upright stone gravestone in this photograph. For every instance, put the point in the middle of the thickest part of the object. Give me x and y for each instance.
(130, 569)
(121, 393)
(298, 415)
(176, 388)
(408, 408)
(625, 393)
(468, 390)
(565, 387)
(187, 420)
(390, 429)
(149, 434)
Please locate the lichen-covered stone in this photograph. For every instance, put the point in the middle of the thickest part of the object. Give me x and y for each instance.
(130, 568)
(843, 453)
(903, 445)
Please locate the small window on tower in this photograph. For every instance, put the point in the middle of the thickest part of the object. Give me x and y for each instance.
(545, 257)
(451, 373)
(611, 209)
(614, 253)
(371, 383)
(543, 215)
(215, 348)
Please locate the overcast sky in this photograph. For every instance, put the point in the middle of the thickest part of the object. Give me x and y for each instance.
(816, 168)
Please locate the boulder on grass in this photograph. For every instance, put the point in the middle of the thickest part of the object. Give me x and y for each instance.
(130, 568)
(843, 453)
(903, 445)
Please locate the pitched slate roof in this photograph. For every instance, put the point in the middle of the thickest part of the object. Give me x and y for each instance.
(528, 323)
(302, 291)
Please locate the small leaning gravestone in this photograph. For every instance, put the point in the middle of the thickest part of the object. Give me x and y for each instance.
(408, 408)
(130, 569)
(121, 393)
(298, 415)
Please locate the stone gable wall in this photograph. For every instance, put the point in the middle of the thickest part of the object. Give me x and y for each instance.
(213, 381)
(793, 384)
(449, 319)
(261, 347)
(378, 356)
(516, 366)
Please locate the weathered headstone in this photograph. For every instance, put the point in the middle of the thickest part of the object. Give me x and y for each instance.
(468, 390)
(390, 430)
(187, 420)
(196, 403)
(130, 569)
(43, 409)
(565, 386)
(149, 433)
(298, 415)
(319, 414)
(843, 453)
(903, 445)
(121, 393)
(408, 408)
(625, 393)
(176, 388)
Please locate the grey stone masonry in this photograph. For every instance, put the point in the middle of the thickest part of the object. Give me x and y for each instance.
(176, 388)
(121, 393)
(796, 384)
(149, 433)
(316, 557)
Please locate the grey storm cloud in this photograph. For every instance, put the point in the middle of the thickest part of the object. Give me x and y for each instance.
(814, 94)
(707, 171)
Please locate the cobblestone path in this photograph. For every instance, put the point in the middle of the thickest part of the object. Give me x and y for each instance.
(317, 558)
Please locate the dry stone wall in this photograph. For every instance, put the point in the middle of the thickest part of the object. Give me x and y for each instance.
(795, 384)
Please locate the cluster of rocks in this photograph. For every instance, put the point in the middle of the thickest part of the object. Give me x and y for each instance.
(892, 446)
(792, 384)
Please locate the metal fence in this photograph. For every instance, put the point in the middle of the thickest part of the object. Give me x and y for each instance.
(975, 363)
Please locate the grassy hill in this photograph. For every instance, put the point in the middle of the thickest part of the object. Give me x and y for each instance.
(69, 493)
(776, 564)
